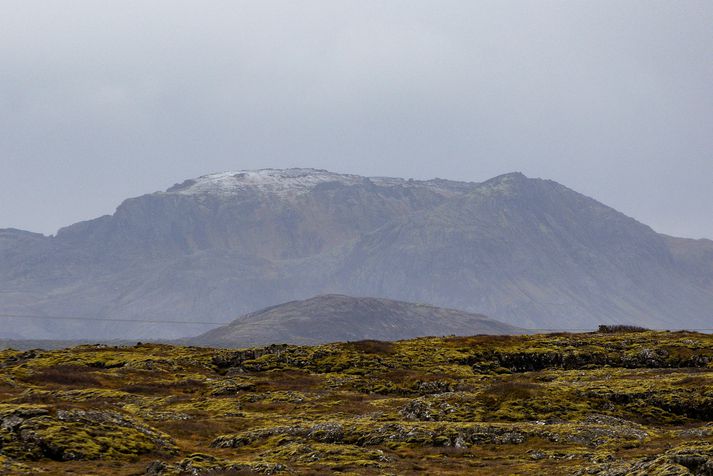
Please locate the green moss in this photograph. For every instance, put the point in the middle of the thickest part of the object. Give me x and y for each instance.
(555, 404)
(224, 407)
(32, 432)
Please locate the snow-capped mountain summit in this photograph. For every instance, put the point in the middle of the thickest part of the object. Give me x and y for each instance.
(292, 182)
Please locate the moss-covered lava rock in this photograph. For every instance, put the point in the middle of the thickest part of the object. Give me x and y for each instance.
(612, 403)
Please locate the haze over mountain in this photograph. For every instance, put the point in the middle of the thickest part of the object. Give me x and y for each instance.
(529, 252)
(336, 318)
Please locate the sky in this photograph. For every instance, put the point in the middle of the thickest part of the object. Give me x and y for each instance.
(105, 100)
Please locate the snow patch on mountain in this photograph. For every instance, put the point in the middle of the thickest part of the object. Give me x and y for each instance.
(290, 182)
(283, 182)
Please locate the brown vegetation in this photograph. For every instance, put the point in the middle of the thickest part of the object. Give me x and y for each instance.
(594, 403)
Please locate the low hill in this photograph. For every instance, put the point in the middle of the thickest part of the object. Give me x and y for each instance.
(335, 317)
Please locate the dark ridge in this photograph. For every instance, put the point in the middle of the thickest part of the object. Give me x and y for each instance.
(620, 328)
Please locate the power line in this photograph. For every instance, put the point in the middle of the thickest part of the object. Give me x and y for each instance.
(156, 321)
(108, 319)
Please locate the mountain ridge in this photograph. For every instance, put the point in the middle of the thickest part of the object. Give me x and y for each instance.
(526, 251)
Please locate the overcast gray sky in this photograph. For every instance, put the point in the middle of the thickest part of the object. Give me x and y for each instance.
(100, 101)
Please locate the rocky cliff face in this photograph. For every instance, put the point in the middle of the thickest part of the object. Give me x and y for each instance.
(527, 251)
(534, 252)
(272, 214)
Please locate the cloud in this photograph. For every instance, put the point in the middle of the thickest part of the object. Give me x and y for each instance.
(104, 100)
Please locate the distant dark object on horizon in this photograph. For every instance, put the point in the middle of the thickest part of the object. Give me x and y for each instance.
(620, 328)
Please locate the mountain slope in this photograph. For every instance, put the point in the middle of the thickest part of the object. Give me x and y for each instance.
(529, 252)
(694, 258)
(532, 252)
(334, 318)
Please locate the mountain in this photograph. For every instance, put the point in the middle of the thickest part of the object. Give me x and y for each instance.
(695, 258)
(536, 253)
(528, 252)
(338, 318)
